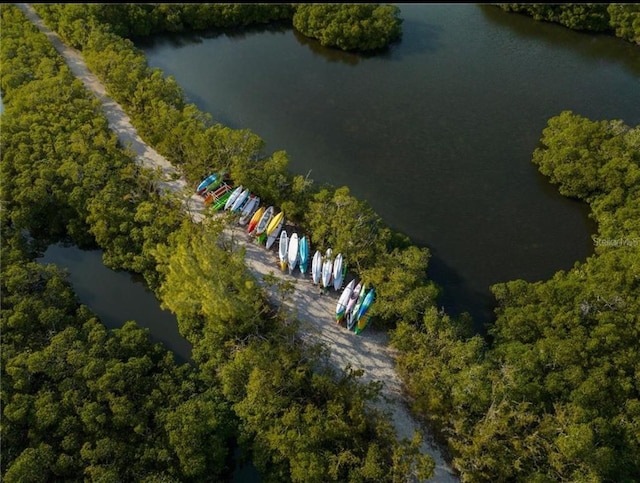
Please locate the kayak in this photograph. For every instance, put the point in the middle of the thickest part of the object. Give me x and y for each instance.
(234, 196)
(292, 252)
(273, 224)
(255, 219)
(275, 231)
(337, 272)
(362, 318)
(327, 268)
(341, 307)
(249, 209)
(264, 221)
(222, 201)
(240, 201)
(316, 267)
(351, 321)
(353, 298)
(215, 184)
(282, 249)
(213, 196)
(206, 182)
(304, 254)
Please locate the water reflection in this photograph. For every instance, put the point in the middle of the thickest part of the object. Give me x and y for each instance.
(601, 48)
(186, 39)
(331, 55)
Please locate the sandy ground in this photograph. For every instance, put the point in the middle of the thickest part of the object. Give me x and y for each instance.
(368, 351)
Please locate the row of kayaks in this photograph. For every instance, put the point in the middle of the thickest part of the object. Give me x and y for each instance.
(353, 306)
(327, 270)
(220, 196)
(261, 221)
(293, 252)
(267, 226)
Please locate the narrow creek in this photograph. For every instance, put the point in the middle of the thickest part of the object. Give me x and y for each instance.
(117, 297)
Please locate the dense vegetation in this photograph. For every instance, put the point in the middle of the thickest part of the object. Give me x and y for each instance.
(83, 402)
(556, 395)
(623, 20)
(553, 395)
(358, 27)
(74, 21)
(80, 402)
(197, 145)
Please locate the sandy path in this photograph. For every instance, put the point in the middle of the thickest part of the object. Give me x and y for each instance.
(368, 351)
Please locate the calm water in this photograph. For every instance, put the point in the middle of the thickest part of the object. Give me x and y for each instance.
(117, 297)
(436, 134)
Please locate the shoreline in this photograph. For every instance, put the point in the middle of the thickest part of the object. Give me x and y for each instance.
(369, 351)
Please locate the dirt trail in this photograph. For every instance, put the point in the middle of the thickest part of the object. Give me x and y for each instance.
(368, 351)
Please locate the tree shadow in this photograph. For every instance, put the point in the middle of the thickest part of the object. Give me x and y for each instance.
(184, 39)
(600, 47)
(457, 297)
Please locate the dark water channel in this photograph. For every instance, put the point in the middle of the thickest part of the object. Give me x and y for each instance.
(436, 133)
(117, 297)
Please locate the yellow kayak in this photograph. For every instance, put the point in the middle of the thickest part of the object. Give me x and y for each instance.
(274, 223)
(255, 218)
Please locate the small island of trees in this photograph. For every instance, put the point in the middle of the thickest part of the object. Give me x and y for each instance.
(622, 20)
(359, 26)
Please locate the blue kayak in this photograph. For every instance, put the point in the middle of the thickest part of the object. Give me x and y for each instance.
(366, 303)
(206, 182)
(304, 254)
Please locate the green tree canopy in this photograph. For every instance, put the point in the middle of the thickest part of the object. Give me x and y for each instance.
(361, 27)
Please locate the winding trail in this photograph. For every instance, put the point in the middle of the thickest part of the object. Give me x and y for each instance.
(369, 351)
